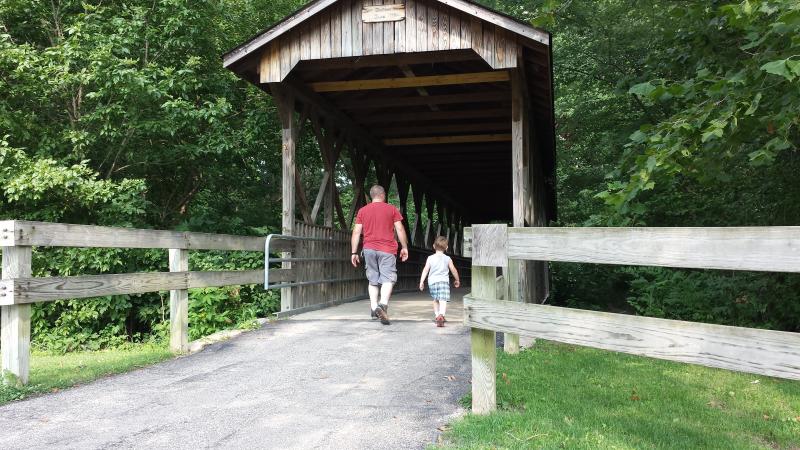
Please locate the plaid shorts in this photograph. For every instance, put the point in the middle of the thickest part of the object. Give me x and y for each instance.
(440, 291)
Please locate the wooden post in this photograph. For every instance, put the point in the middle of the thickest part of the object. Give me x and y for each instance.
(179, 304)
(484, 353)
(285, 102)
(16, 320)
(511, 274)
(520, 180)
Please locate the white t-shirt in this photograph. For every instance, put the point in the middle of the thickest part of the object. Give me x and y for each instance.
(440, 268)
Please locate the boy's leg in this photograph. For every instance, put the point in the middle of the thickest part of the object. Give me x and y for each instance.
(435, 308)
(442, 307)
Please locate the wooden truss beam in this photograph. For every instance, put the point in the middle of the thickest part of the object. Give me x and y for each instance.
(433, 115)
(447, 139)
(399, 83)
(447, 99)
(435, 129)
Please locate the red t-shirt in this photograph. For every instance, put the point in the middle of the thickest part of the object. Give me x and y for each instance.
(378, 220)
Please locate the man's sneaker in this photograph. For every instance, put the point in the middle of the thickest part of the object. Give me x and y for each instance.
(379, 311)
(440, 321)
(372, 311)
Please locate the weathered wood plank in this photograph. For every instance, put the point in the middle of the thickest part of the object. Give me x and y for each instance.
(305, 42)
(484, 353)
(346, 15)
(433, 26)
(325, 35)
(48, 289)
(733, 248)
(444, 29)
(295, 48)
(455, 31)
(274, 61)
(285, 102)
(383, 13)
(314, 30)
(29, 233)
(336, 31)
(388, 33)
(410, 23)
(764, 352)
(178, 304)
(492, 243)
(357, 27)
(286, 57)
(422, 26)
(15, 320)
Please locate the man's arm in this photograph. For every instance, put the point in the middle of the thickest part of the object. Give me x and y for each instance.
(354, 240)
(401, 235)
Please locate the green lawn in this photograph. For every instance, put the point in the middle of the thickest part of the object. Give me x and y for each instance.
(561, 396)
(50, 373)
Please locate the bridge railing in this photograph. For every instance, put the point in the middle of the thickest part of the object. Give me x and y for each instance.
(18, 289)
(765, 352)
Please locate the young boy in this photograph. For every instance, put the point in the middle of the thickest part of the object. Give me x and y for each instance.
(436, 269)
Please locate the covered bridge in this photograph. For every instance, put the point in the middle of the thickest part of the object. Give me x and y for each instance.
(451, 100)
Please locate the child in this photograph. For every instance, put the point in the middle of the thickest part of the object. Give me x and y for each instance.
(436, 268)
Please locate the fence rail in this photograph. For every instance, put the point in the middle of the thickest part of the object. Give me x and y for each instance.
(765, 352)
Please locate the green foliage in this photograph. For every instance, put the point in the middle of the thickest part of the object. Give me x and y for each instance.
(736, 102)
(731, 298)
(121, 114)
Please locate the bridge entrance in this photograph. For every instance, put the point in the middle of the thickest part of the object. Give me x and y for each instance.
(447, 102)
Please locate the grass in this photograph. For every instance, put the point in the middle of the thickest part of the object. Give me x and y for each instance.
(561, 396)
(50, 373)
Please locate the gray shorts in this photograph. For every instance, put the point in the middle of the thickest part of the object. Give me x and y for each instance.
(381, 267)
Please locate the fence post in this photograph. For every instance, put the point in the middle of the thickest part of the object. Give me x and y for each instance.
(489, 251)
(484, 343)
(16, 320)
(511, 340)
(178, 304)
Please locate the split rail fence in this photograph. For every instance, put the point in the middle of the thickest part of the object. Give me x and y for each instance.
(764, 352)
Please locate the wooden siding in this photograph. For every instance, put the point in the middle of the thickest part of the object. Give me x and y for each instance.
(338, 31)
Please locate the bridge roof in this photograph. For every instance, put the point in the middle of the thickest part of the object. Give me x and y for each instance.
(427, 85)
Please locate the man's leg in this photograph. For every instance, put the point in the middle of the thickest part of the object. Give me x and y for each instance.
(386, 292)
(373, 296)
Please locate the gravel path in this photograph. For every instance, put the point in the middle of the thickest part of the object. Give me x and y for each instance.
(336, 380)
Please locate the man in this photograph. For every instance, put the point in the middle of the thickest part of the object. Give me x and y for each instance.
(379, 221)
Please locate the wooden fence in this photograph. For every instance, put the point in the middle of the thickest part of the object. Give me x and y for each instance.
(765, 352)
(18, 290)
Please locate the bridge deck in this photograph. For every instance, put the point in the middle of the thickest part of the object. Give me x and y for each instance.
(327, 379)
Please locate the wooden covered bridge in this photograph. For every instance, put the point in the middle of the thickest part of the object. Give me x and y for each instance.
(447, 100)
(450, 104)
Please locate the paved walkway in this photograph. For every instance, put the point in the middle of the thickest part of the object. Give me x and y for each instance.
(325, 379)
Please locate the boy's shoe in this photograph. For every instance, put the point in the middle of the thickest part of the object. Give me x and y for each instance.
(440, 321)
(379, 311)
